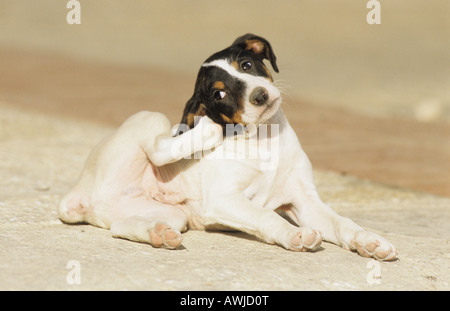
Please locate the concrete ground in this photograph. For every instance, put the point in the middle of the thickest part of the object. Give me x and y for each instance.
(370, 104)
(43, 155)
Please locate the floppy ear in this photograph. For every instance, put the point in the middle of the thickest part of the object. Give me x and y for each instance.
(257, 45)
(193, 108)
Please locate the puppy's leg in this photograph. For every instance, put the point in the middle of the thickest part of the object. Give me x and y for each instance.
(237, 212)
(166, 149)
(343, 231)
(152, 132)
(140, 229)
(148, 221)
(311, 211)
(119, 161)
(226, 204)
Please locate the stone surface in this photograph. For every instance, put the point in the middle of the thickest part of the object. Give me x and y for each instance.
(43, 155)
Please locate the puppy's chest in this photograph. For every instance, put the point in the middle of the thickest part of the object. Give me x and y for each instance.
(268, 189)
(259, 150)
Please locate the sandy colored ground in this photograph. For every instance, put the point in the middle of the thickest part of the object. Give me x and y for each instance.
(42, 157)
(370, 104)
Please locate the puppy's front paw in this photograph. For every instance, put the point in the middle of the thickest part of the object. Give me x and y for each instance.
(306, 239)
(369, 244)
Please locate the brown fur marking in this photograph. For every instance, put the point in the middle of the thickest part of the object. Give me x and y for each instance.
(219, 85)
(190, 117)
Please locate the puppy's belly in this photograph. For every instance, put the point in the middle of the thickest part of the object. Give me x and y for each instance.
(161, 184)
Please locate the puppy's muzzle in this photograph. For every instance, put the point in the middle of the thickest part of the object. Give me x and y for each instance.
(259, 96)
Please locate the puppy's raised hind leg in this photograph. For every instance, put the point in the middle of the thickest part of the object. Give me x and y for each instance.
(165, 149)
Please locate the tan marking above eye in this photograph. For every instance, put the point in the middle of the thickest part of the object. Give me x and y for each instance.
(219, 85)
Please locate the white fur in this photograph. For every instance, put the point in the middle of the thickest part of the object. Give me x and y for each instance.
(139, 177)
(252, 114)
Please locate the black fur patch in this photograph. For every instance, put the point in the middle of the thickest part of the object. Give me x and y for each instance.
(246, 54)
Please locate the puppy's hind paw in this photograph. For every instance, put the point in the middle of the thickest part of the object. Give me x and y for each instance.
(163, 236)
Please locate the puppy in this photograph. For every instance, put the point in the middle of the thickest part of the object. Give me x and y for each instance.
(232, 163)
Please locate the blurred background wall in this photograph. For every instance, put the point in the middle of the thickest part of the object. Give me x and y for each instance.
(371, 101)
(327, 52)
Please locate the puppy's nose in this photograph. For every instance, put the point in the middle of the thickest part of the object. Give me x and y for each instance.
(259, 96)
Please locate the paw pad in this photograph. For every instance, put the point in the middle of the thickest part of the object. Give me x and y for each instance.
(306, 239)
(369, 244)
(164, 236)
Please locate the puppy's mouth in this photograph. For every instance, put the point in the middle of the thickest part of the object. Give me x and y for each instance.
(271, 107)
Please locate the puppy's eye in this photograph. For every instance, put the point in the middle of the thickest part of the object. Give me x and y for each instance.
(247, 65)
(218, 95)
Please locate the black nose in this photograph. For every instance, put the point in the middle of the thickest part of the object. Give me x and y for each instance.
(259, 96)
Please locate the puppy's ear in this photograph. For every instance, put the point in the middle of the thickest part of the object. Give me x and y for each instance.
(257, 45)
(193, 108)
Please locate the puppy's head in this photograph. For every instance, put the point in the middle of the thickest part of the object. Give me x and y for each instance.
(234, 86)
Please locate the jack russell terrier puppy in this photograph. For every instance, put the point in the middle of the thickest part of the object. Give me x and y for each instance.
(234, 162)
